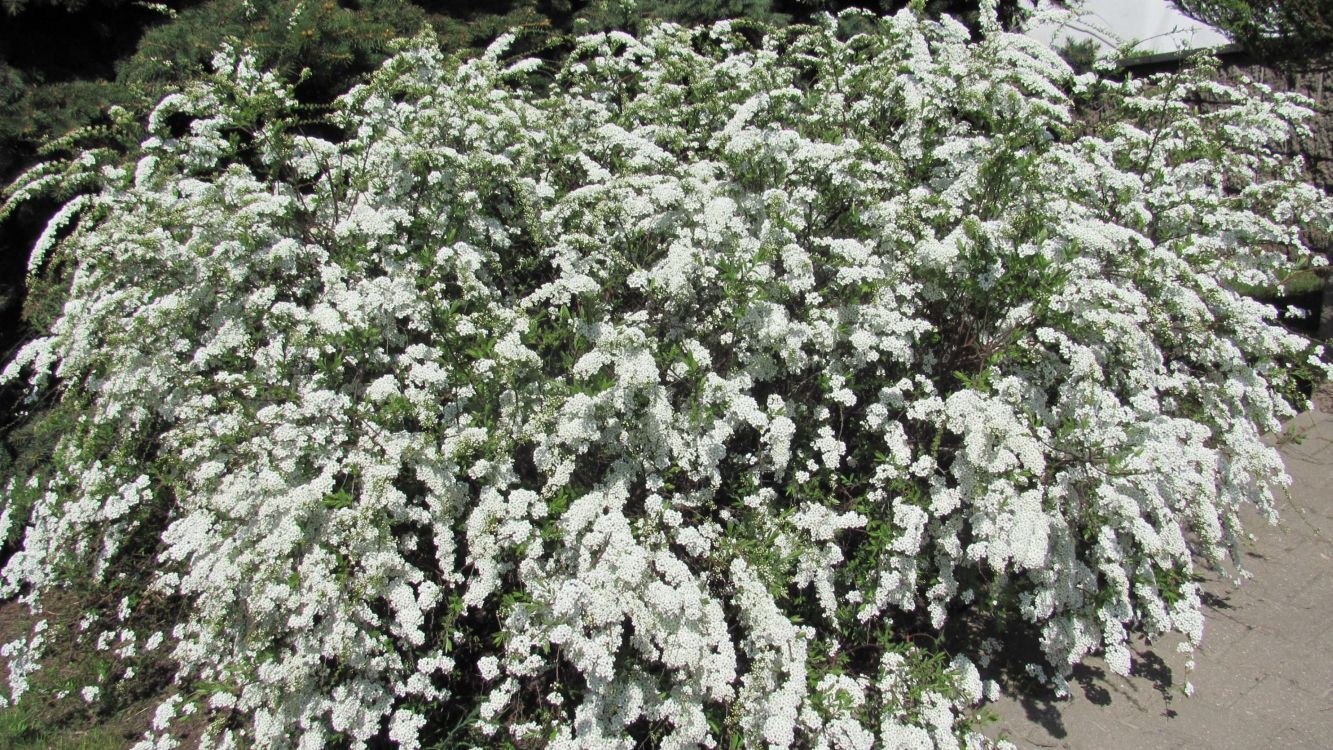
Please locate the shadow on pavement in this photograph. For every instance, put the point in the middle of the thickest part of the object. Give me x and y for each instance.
(1099, 688)
(1046, 713)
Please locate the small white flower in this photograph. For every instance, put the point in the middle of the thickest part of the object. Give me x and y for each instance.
(488, 667)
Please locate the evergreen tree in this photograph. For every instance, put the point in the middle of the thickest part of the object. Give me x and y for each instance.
(1286, 31)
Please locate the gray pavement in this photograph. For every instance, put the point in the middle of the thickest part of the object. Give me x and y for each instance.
(1263, 677)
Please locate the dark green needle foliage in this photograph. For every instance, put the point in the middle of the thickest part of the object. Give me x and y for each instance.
(1296, 32)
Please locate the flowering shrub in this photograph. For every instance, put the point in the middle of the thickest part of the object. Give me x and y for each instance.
(667, 406)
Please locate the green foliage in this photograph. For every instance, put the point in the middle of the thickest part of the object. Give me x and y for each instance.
(53, 714)
(1080, 54)
(1291, 31)
(29, 110)
(1010, 12)
(333, 42)
(22, 728)
(44, 96)
(628, 15)
(14, 7)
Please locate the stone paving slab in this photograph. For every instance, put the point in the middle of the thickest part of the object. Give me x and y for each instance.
(1263, 676)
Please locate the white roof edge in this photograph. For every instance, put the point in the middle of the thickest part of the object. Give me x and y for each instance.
(1150, 26)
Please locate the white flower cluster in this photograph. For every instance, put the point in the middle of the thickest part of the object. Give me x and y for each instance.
(658, 408)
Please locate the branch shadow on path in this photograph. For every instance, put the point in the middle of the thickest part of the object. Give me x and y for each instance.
(1097, 686)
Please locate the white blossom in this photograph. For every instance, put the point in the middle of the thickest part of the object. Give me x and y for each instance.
(642, 400)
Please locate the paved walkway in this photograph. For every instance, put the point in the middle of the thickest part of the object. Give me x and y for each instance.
(1263, 678)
